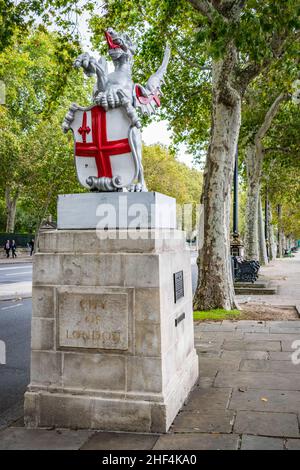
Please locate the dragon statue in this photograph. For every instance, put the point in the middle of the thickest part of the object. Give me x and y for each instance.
(107, 134)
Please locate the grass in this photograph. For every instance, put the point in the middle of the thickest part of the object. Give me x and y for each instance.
(218, 314)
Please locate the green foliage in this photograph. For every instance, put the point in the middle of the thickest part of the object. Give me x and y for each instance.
(36, 158)
(195, 40)
(216, 315)
(165, 174)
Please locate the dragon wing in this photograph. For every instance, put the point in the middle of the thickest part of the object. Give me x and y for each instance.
(147, 98)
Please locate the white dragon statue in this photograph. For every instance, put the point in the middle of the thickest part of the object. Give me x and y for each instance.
(116, 90)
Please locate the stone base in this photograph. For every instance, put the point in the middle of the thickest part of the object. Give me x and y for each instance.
(150, 413)
(112, 347)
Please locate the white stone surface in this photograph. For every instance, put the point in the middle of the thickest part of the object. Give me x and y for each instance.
(95, 320)
(136, 372)
(116, 210)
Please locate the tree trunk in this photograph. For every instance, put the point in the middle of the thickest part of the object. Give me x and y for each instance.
(215, 284)
(11, 206)
(271, 237)
(263, 258)
(254, 162)
(253, 190)
(280, 233)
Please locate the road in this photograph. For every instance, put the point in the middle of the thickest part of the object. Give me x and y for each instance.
(18, 273)
(15, 318)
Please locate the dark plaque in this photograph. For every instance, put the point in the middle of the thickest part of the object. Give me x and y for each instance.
(178, 286)
(179, 319)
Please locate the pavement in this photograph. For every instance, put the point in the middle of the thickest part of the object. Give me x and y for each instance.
(285, 274)
(247, 396)
(15, 280)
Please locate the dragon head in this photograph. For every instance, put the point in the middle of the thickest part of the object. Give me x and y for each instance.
(120, 46)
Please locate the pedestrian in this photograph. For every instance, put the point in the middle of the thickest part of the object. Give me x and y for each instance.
(13, 249)
(7, 248)
(31, 244)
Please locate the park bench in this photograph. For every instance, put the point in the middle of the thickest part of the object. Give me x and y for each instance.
(244, 270)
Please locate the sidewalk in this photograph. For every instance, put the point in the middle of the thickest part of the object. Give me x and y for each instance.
(24, 258)
(16, 290)
(285, 273)
(247, 395)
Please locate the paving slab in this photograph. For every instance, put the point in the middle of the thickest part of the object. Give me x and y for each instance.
(281, 356)
(220, 335)
(41, 439)
(208, 345)
(240, 324)
(120, 441)
(279, 329)
(207, 400)
(271, 337)
(284, 324)
(205, 382)
(218, 363)
(198, 421)
(284, 367)
(282, 401)
(231, 355)
(293, 444)
(267, 424)
(291, 345)
(231, 326)
(197, 442)
(248, 345)
(265, 380)
(261, 443)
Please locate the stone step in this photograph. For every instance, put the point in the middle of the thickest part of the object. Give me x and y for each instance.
(251, 284)
(255, 290)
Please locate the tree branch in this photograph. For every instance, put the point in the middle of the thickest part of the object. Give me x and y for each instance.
(273, 110)
(205, 7)
(277, 45)
(277, 149)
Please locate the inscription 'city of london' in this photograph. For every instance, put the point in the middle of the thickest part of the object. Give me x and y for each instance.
(93, 320)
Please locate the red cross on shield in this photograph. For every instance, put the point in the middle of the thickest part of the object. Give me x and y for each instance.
(102, 147)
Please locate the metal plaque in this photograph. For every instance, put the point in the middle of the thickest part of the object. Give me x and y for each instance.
(178, 286)
(179, 319)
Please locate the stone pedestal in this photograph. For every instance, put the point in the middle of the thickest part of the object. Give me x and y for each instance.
(112, 330)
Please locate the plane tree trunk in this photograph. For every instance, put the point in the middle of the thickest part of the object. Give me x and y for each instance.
(215, 285)
(254, 163)
(11, 199)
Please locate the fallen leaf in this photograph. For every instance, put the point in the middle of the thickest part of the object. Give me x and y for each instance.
(264, 399)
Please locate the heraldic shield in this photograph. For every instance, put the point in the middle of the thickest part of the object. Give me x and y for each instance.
(105, 153)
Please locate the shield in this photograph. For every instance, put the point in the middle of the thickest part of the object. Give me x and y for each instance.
(104, 146)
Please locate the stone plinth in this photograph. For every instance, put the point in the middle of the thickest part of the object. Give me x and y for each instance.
(116, 210)
(111, 349)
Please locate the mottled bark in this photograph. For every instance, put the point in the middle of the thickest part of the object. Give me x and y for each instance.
(263, 258)
(253, 165)
(215, 285)
(280, 239)
(11, 199)
(271, 237)
(254, 162)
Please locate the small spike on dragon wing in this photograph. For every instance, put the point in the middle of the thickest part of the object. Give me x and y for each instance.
(154, 82)
(147, 98)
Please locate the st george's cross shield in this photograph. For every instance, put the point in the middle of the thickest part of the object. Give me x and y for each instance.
(104, 147)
